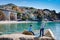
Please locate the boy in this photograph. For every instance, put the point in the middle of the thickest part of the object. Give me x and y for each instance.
(30, 29)
(42, 27)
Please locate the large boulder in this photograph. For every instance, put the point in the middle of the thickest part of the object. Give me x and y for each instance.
(49, 33)
(27, 33)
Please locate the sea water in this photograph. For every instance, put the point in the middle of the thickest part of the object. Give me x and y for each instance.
(20, 27)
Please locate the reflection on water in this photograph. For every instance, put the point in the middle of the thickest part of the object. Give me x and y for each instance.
(20, 27)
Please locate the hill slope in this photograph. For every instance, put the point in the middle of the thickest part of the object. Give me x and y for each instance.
(30, 13)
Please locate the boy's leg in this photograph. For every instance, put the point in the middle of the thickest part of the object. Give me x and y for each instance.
(42, 31)
(32, 32)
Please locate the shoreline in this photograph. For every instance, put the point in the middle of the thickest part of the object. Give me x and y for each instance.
(3, 22)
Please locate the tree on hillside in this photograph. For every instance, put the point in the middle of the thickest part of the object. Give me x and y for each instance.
(40, 15)
(19, 16)
(58, 15)
(53, 15)
(14, 8)
(31, 8)
(25, 17)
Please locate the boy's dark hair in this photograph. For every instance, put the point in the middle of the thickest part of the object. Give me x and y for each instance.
(30, 25)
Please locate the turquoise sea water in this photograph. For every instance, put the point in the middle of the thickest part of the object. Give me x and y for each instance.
(20, 27)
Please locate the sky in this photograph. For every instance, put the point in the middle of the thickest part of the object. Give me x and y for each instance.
(39, 4)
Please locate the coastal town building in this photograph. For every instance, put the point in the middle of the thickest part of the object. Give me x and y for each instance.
(8, 15)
